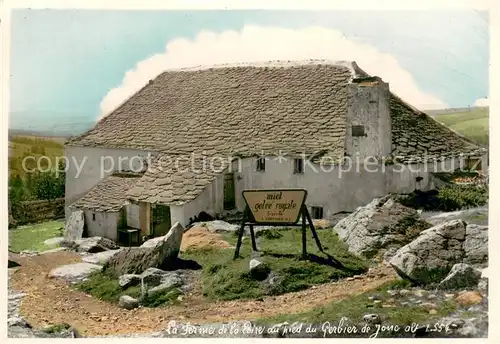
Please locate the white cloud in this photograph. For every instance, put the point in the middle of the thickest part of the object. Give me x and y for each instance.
(482, 102)
(255, 43)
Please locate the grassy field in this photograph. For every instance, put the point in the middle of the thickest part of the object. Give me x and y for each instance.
(36, 146)
(228, 279)
(473, 124)
(355, 307)
(31, 237)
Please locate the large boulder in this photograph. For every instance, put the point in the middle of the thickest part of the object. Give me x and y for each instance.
(477, 215)
(154, 253)
(476, 245)
(172, 239)
(73, 229)
(382, 224)
(429, 258)
(93, 245)
(217, 226)
(461, 276)
(74, 273)
(100, 258)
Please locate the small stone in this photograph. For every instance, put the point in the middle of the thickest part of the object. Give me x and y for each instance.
(258, 270)
(469, 298)
(372, 318)
(371, 298)
(431, 296)
(388, 306)
(376, 302)
(404, 292)
(420, 293)
(449, 296)
(129, 280)
(393, 292)
(428, 305)
(349, 279)
(433, 311)
(128, 302)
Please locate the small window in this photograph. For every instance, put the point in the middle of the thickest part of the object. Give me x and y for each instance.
(298, 166)
(93, 216)
(261, 164)
(317, 212)
(358, 130)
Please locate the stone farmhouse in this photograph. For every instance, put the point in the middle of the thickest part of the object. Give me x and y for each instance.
(193, 139)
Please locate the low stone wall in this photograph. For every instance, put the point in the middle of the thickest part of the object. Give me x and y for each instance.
(40, 210)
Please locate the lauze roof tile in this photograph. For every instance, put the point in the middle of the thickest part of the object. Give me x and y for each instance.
(246, 110)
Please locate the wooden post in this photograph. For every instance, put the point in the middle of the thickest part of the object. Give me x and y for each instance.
(304, 242)
(252, 234)
(240, 234)
(313, 230)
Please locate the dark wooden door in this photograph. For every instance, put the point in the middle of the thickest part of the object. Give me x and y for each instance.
(161, 222)
(229, 192)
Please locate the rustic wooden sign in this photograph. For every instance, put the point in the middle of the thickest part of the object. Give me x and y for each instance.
(275, 206)
(278, 207)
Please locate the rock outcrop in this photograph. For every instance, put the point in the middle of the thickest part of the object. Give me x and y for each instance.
(74, 273)
(476, 245)
(100, 258)
(154, 253)
(430, 257)
(448, 253)
(461, 276)
(90, 245)
(73, 229)
(384, 224)
(129, 280)
(216, 226)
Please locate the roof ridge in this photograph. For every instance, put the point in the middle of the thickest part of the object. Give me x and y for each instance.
(351, 65)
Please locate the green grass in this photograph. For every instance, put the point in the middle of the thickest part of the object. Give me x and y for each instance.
(228, 279)
(57, 328)
(355, 307)
(105, 287)
(473, 124)
(31, 237)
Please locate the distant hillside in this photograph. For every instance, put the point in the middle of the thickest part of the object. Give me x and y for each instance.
(471, 122)
(29, 145)
(454, 110)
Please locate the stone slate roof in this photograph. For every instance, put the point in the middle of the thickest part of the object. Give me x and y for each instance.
(110, 194)
(233, 110)
(417, 136)
(175, 180)
(247, 110)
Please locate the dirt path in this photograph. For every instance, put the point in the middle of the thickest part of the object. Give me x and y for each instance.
(50, 301)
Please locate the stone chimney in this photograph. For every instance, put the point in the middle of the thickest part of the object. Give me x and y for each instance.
(368, 118)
